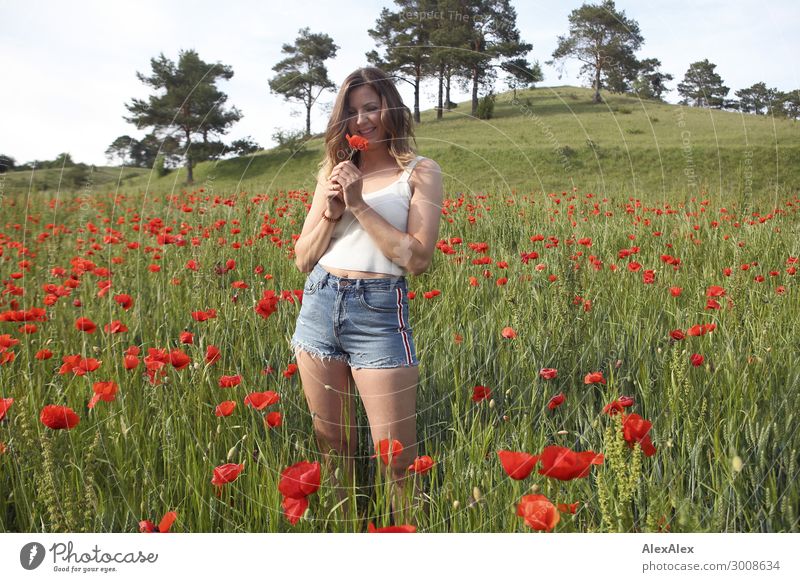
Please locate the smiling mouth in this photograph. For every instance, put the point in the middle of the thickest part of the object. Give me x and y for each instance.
(367, 132)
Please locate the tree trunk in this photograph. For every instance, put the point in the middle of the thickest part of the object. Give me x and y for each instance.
(189, 172)
(597, 82)
(416, 92)
(474, 90)
(441, 82)
(447, 90)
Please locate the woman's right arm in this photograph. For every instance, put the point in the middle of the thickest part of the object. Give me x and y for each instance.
(316, 234)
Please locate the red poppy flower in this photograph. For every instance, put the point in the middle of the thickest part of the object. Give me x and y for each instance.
(130, 362)
(481, 393)
(212, 354)
(300, 480)
(179, 359)
(290, 371)
(268, 304)
(44, 354)
(5, 404)
(227, 473)
(517, 465)
(568, 507)
(294, 508)
(115, 327)
(186, 337)
(636, 429)
(613, 408)
(357, 142)
(229, 381)
(421, 465)
(556, 401)
(565, 464)
(58, 417)
(538, 512)
(260, 400)
(675, 291)
(696, 360)
(125, 301)
(594, 378)
(626, 401)
(85, 324)
(715, 291)
(386, 449)
(548, 373)
(391, 528)
(147, 526)
(78, 365)
(225, 408)
(677, 334)
(105, 391)
(509, 333)
(273, 419)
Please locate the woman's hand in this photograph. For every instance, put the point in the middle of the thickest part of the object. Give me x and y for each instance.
(335, 201)
(347, 177)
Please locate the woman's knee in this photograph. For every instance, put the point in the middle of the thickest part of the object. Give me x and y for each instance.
(339, 436)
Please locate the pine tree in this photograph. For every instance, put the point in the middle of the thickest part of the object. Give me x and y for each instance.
(190, 104)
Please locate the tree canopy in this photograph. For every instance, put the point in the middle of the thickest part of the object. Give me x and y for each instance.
(604, 40)
(702, 86)
(302, 76)
(188, 104)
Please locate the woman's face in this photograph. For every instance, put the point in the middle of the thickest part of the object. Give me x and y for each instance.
(363, 113)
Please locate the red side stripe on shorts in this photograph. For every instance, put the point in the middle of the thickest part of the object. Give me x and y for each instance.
(402, 326)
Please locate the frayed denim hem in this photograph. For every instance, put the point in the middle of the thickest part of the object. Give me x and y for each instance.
(385, 367)
(317, 353)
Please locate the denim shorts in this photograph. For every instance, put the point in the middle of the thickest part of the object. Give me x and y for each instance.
(363, 322)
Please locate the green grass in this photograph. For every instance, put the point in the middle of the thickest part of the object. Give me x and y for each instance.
(154, 448)
(641, 147)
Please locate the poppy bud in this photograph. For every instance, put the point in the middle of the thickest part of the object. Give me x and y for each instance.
(456, 504)
(491, 403)
(535, 488)
(476, 494)
(737, 464)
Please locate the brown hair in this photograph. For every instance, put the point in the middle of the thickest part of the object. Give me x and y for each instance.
(395, 117)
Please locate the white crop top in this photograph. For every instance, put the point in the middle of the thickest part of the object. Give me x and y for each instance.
(352, 248)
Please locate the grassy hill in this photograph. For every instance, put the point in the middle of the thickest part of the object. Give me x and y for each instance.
(548, 139)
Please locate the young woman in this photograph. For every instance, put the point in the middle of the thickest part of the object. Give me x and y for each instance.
(374, 218)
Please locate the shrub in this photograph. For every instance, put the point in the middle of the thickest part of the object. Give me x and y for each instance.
(290, 141)
(486, 107)
(161, 169)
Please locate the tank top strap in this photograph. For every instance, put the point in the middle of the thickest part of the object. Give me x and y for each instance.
(410, 168)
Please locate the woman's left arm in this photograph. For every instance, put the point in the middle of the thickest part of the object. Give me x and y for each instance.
(413, 250)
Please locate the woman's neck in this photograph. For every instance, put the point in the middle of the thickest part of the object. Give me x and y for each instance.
(375, 160)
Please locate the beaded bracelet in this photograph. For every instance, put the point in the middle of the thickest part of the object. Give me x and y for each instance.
(324, 217)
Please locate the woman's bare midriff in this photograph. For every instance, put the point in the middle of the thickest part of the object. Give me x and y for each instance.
(342, 274)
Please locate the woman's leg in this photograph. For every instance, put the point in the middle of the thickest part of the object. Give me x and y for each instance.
(390, 401)
(333, 413)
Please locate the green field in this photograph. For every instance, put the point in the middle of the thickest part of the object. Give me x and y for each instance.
(547, 139)
(725, 430)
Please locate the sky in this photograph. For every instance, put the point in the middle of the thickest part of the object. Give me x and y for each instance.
(70, 67)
